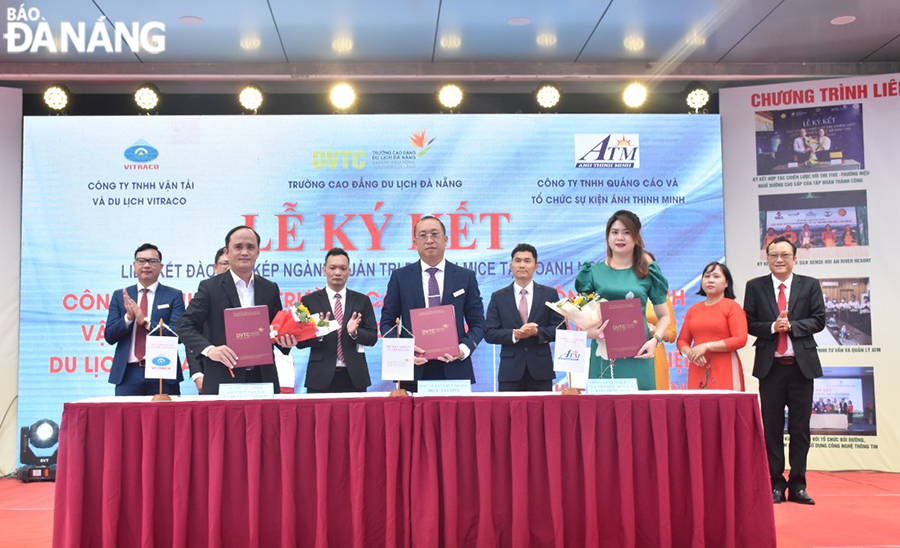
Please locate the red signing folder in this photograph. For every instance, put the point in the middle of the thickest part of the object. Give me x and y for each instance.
(625, 333)
(434, 330)
(247, 333)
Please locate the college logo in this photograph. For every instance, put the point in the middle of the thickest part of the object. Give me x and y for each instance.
(619, 150)
(419, 140)
(403, 157)
(161, 361)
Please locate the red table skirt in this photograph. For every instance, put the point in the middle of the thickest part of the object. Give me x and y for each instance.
(658, 471)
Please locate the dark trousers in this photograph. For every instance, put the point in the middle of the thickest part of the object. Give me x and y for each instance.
(785, 385)
(134, 384)
(526, 384)
(339, 383)
(432, 370)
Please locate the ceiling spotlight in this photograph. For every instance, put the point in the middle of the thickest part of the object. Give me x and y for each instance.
(546, 39)
(342, 44)
(695, 39)
(147, 97)
(450, 96)
(342, 96)
(633, 43)
(547, 96)
(697, 96)
(451, 41)
(843, 20)
(250, 42)
(57, 97)
(251, 98)
(635, 95)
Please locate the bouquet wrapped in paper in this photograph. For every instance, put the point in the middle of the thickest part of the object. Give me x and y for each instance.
(299, 322)
(583, 309)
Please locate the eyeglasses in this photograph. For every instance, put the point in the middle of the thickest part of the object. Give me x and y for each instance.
(424, 236)
(782, 256)
(151, 262)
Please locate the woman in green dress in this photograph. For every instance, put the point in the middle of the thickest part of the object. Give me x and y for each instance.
(628, 272)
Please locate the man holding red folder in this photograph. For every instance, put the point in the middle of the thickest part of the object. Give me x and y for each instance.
(237, 288)
(429, 282)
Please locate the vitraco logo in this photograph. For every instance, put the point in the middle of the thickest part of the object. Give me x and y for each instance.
(141, 153)
(607, 151)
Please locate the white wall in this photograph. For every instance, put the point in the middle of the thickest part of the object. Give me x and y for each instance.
(10, 243)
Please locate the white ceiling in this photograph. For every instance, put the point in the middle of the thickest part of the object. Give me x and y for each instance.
(414, 45)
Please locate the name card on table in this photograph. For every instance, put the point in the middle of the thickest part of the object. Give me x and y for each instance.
(444, 388)
(397, 359)
(247, 391)
(612, 386)
(570, 353)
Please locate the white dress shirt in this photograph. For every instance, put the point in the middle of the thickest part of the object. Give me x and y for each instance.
(151, 296)
(776, 283)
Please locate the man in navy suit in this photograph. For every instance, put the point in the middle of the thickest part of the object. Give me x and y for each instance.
(518, 321)
(435, 281)
(334, 369)
(202, 326)
(784, 312)
(133, 313)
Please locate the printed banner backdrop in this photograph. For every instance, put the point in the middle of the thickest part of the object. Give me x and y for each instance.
(834, 192)
(95, 188)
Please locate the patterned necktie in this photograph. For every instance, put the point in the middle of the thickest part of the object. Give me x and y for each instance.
(140, 337)
(523, 307)
(434, 294)
(782, 335)
(339, 316)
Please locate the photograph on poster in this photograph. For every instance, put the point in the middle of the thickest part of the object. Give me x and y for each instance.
(821, 224)
(844, 402)
(809, 139)
(848, 312)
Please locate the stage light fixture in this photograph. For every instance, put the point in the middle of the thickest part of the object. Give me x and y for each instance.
(451, 41)
(633, 42)
(547, 96)
(343, 96)
(697, 96)
(635, 95)
(147, 97)
(57, 97)
(251, 98)
(342, 44)
(450, 96)
(546, 39)
(43, 435)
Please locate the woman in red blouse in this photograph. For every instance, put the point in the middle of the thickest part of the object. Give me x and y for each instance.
(712, 333)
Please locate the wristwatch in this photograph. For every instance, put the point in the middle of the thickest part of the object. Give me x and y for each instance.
(658, 339)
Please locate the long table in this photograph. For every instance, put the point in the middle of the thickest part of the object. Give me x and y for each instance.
(645, 470)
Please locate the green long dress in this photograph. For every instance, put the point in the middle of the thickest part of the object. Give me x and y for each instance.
(614, 285)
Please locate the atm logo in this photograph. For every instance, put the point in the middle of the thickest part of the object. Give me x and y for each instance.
(620, 150)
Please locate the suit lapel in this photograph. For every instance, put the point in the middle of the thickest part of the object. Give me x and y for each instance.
(769, 293)
(535, 302)
(796, 289)
(449, 283)
(231, 291)
(416, 277)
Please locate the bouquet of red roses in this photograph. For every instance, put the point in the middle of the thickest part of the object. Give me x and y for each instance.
(299, 322)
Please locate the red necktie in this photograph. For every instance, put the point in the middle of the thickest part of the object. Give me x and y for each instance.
(523, 307)
(339, 316)
(782, 335)
(140, 338)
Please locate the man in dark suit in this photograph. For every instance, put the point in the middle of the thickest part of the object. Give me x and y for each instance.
(434, 281)
(518, 321)
(337, 362)
(784, 311)
(237, 288)
(195, 364)
(133, 313)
